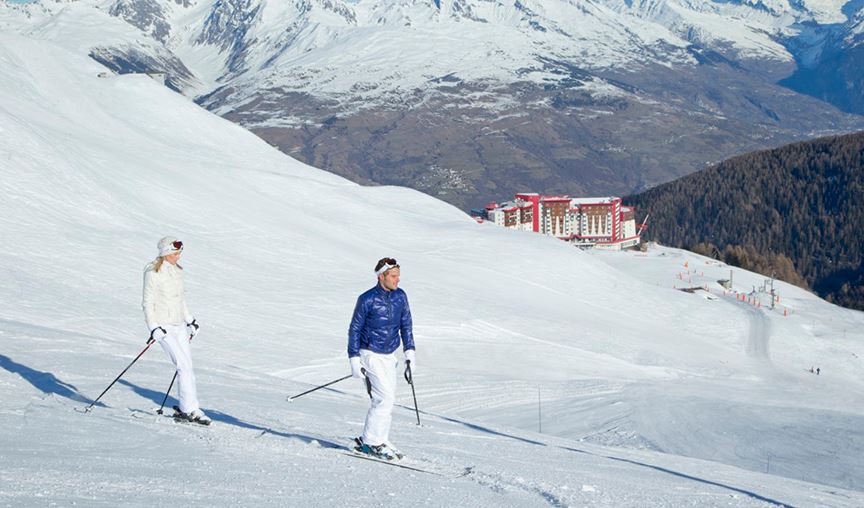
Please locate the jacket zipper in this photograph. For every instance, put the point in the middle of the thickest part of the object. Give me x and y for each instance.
(389, 309)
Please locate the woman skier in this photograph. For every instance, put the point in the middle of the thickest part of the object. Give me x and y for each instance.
(171, 324)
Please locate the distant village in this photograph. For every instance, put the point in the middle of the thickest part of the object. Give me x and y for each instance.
(601, 223)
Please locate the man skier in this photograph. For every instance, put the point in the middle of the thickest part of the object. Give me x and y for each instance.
(380, 318)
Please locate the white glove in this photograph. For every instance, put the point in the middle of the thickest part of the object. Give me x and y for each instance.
(157, 333)
(356, 369)
(192, 328)
(409, 360)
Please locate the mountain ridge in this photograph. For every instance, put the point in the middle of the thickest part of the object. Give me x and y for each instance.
(677, 85)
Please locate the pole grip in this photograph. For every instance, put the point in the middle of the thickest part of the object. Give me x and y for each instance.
(410, 378)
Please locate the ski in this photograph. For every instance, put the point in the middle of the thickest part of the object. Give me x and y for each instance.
(391, 463)
(411, 465)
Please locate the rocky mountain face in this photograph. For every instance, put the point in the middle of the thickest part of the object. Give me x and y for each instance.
(472, 100)
(832, 64)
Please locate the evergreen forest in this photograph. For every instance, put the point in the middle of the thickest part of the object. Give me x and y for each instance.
(796, 212)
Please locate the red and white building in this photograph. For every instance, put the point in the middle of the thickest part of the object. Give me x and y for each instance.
(513, 215)
(602, 223)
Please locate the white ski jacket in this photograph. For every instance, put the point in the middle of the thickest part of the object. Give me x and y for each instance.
(163, 300)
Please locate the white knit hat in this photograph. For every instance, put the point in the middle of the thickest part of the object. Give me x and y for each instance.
(167, 245)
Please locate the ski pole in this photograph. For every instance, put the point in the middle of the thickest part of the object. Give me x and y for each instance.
(167, 392)
(90, 407)
(368, 382)
(410, 379)
(291, 399)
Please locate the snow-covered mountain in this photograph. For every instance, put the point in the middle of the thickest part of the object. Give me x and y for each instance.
(471, 100)
(380, 54)
(397, 47)
(831, 63)
(555, 376)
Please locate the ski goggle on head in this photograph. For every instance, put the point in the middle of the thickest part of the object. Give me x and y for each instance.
(385, 264)
(178, 245)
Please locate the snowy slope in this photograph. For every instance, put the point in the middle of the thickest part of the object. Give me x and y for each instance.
(90, 31)
(648, 395)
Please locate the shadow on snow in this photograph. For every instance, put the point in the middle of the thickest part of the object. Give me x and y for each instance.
(487, 430)
(684, 475)
(221, 417)
(44, 381)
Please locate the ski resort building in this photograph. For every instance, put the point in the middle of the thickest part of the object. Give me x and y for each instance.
(511, 215)
(602, 223)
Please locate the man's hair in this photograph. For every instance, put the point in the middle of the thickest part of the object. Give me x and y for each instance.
(385, 261)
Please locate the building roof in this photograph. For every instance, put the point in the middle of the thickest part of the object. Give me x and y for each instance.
(594, 201)
(556, 198)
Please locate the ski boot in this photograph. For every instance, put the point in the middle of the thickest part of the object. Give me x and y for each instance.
(381, 451)
(196, 416)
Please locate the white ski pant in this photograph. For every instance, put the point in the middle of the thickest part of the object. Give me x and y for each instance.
(381, 372)
(176, 346)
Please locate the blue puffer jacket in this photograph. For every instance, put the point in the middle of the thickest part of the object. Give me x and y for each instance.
(379, 318)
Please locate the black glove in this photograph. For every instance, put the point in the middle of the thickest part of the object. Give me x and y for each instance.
(157, 333)
(192, 328)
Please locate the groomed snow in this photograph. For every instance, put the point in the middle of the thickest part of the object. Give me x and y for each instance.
(558, 377)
